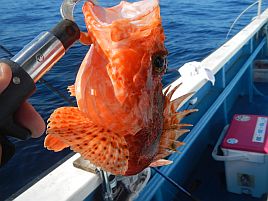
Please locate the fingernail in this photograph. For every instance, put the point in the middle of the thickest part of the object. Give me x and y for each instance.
(8, 150)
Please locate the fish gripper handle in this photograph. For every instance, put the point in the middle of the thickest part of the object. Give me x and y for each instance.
(19, 89)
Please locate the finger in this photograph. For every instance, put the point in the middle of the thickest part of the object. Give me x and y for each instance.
(5, 76)
(29, 118)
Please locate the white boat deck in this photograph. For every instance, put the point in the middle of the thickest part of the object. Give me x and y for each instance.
(64, 183)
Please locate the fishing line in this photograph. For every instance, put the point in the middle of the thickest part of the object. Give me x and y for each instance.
(56, 91)
(176, 185)
(7, 51)
(253, 4)
(43, 81)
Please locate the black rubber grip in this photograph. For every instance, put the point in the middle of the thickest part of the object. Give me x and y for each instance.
(67, 32)
(18, 90)
(8, 150)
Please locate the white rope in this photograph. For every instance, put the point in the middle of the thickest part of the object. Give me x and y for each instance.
(250, 6)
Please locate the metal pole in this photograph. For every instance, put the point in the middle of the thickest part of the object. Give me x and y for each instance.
(259, 7)
(107, 190)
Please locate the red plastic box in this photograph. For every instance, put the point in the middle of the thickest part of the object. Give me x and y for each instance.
(245, 148)
(247, 133)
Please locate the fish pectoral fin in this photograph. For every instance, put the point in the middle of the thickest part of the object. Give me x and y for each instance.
(71, 90)
(53, 143)
(160, 162)
(104, 148)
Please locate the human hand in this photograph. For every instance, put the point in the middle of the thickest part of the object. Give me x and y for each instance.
(26, 116)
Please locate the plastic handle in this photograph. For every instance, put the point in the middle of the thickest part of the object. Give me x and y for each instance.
(225, 158)
(19, 89)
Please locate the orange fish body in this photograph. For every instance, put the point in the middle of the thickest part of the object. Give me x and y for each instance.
(123, 122)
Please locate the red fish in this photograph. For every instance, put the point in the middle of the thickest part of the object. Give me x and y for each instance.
(123, 122)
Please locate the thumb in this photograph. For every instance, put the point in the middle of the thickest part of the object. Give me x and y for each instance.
(5, 76)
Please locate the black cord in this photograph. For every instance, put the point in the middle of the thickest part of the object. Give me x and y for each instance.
(56, 91)
(6, 50)
(176, 185)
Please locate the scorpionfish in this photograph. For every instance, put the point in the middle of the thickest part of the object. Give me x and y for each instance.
(123, 122)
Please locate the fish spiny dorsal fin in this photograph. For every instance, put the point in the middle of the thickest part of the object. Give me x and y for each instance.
(177, 102)
(68, 126)
(172, 91)
(167, 90)
(160, 162)
(172, 129)
(71, 90)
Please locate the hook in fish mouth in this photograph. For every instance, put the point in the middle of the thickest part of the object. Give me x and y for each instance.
(67, 9)
(67, 12)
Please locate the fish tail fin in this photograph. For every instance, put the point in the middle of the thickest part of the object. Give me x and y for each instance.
(172, 128)
(68, 126)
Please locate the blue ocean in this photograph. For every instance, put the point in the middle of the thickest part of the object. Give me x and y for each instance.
(193, 30)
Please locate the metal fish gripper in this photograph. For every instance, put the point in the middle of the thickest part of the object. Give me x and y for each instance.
(30, 64)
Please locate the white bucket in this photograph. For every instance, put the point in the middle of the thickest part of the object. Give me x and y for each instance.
(246, 172)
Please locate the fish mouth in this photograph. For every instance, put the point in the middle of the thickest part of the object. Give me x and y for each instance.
(124, 10)
(127, 67)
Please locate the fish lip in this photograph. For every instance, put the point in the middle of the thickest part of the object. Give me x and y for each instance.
(135, 18)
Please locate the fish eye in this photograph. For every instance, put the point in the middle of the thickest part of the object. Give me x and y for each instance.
(159, 62)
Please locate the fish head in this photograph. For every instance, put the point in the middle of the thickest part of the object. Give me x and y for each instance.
(121, 75)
